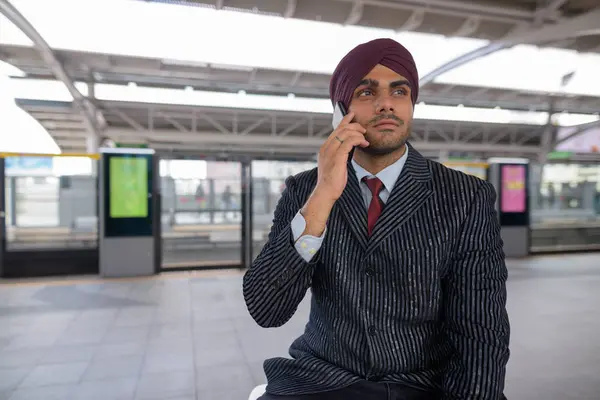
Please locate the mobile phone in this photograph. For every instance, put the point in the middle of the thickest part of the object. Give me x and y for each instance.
(339, 112)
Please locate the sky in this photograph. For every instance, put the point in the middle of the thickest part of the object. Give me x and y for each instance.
(200, 35)
(19, 132)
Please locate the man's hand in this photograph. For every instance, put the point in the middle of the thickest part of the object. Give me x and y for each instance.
(332, 174)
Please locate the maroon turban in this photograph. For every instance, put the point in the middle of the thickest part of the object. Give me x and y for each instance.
(362, 59)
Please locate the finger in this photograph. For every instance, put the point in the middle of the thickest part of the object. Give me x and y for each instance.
(344, 135)
(347, 118)
(355, 126)
(332, 146)
(350, 143)
(351, 133)
(346, 122)
(339, 140)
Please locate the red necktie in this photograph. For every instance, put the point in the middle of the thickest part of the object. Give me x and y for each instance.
(376, 186)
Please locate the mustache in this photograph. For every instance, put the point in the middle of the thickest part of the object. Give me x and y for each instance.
(378, 118)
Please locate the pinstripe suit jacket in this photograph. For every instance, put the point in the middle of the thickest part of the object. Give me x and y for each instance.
(420, 302)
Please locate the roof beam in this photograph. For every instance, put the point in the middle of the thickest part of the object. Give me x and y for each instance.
(173, 122)
(468, 27)
(290, 9)
(414, 21)
(91, 115)
(295, 78)
(355, 14)
(136, 125)
(580, 129)
(254, 126)
(542, 13)
(213, 122)
(583, 25)
(462, 60)
(292, 127)
(299, 142)
(511, 15)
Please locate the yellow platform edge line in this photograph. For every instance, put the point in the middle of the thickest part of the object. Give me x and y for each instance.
(87, 155)
(97, 157)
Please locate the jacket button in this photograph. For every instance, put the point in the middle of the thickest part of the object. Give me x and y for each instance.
(370, 271)
(372, 330)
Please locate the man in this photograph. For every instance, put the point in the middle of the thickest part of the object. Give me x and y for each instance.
(403, 257)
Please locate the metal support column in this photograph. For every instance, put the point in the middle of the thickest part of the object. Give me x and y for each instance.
(2, 219)
(157, 214)
(247, 211)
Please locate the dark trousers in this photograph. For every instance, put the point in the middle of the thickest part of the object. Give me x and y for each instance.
(363, 390)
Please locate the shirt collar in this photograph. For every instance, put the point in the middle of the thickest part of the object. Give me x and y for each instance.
(389, 175)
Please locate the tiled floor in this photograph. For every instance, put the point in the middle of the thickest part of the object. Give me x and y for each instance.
(188, 336)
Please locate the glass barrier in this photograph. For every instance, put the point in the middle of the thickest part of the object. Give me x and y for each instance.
(56, 207)
(51, 207)
(268, 178)
(201, 213)
(565, 193)
(565, 207)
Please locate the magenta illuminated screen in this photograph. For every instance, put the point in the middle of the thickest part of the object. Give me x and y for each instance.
(513, 189)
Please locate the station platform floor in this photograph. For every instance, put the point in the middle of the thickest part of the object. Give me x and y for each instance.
(187, 335)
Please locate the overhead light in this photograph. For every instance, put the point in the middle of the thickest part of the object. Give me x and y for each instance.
(184, 63)
(460, 105)
(132, 84)
(232, 67)
(291, 95)
(242, 92)
(189, 89)
(497, 108)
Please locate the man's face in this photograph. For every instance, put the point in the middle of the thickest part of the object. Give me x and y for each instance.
(382, 105)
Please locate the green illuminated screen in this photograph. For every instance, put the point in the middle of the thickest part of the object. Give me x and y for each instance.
(128, 187)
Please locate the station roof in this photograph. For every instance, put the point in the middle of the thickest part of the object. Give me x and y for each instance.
(489, 20)
(173, 127)
(155, 72)
(181, 126)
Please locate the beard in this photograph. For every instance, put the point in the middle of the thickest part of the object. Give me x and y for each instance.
(388, 141)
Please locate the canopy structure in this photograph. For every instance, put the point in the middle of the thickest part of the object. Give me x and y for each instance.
(187, 104)
(250, 131)
(489, 20)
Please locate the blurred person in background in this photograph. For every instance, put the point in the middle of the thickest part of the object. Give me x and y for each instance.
(403, 257)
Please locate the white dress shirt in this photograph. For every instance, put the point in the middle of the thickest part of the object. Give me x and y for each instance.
(308, 245)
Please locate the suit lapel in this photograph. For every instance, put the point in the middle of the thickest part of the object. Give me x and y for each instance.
(409, 193)
(353, 208)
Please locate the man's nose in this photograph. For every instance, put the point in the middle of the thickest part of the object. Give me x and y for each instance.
(384, 104)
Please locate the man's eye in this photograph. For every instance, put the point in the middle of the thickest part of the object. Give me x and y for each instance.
(402, 91)
(365, 92)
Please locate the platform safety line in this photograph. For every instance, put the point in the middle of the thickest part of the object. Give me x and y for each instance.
(85, 155)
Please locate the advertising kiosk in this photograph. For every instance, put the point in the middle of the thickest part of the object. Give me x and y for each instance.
(126, 211)
(511, 181)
